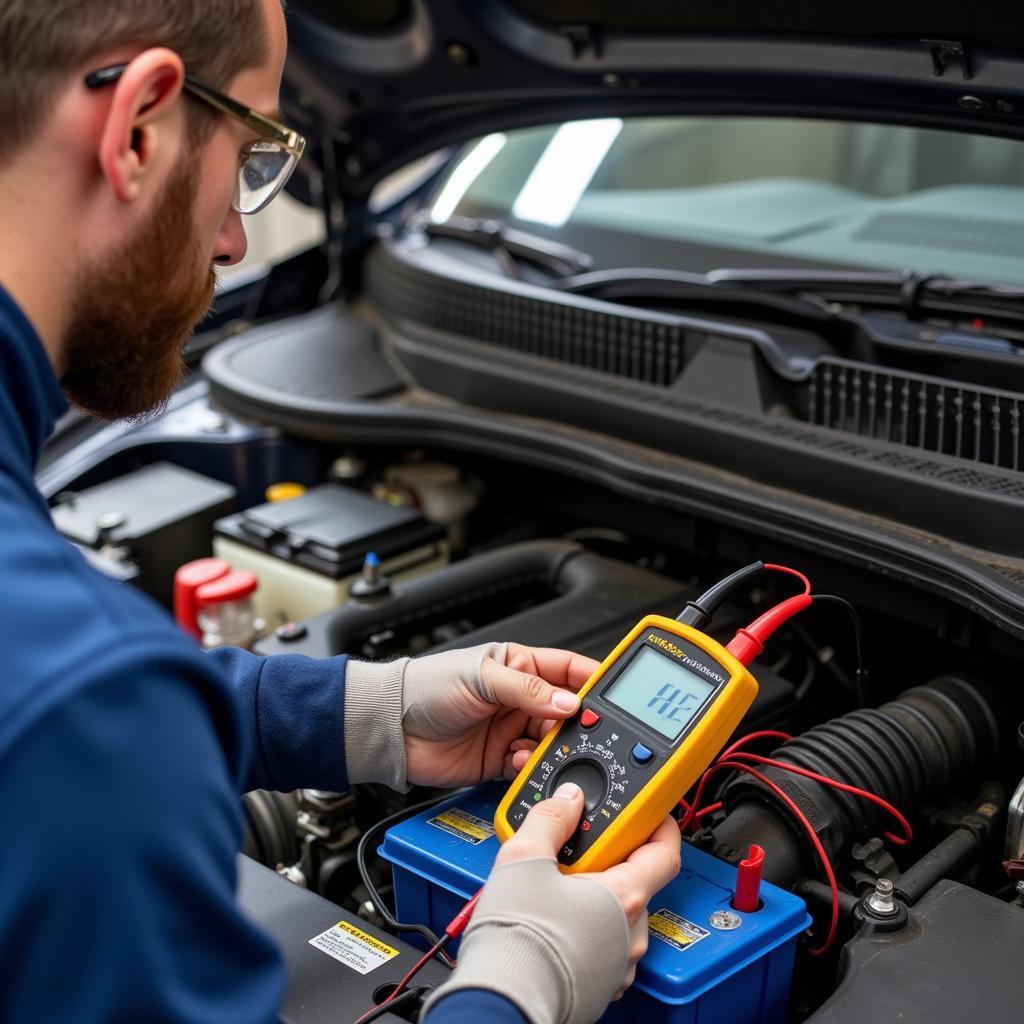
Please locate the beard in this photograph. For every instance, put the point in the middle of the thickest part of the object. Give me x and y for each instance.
(134, 310)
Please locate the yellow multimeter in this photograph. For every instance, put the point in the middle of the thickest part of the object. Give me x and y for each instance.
(651, 719)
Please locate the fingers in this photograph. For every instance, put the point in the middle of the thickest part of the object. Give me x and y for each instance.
(527, 692)
(563, 668)
(546, 827)
(653, 865)
(515, 760)
(648, 869)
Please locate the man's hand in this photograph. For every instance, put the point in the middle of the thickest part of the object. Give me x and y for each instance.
(580, 936)
(466, 721)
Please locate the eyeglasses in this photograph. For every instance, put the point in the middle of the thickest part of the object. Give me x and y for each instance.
(264, 165)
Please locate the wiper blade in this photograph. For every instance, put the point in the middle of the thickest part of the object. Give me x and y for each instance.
(643, 283)
(508, 244)
(912, 293)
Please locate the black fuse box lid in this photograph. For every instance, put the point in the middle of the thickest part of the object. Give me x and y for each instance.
(330, 529)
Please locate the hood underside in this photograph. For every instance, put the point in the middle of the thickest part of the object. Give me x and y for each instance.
(377, 85)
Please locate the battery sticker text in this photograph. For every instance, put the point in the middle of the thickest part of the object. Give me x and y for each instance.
(675, 930)
(463, 825)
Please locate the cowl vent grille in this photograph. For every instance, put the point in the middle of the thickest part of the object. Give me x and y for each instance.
(624, 346)
(927, 413)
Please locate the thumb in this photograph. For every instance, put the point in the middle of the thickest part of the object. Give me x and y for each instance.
(526, 692)
(547, 827)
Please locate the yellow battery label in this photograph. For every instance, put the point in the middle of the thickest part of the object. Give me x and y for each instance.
(675, 930)
(354, 947)
(463, 825)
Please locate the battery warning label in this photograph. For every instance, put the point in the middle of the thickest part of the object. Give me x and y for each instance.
(463, 825)
(675, 930)
(354, 948)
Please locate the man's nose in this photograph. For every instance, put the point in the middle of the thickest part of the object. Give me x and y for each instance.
(230, 245)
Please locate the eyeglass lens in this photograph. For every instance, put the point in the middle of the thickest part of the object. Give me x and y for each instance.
(262, 174)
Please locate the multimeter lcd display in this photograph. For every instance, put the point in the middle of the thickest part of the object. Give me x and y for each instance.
(659, 691)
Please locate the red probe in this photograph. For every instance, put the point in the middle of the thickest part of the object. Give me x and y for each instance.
(748, 882)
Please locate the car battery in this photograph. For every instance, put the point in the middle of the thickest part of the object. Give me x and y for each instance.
(705, 961)
(307, 551)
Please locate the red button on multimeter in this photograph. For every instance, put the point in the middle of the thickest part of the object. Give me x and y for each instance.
(667, 698)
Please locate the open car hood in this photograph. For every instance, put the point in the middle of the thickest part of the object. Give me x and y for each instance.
(377, 85)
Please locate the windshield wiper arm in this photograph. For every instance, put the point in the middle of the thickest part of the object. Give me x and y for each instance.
(508, 244)
(643, 283)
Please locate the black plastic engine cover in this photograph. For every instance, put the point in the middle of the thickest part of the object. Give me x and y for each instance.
(957, 960)
(320, 989)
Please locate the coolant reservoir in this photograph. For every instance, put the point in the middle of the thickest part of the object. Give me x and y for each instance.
(226, 613)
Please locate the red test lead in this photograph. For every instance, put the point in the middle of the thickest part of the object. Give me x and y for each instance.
(749, 642)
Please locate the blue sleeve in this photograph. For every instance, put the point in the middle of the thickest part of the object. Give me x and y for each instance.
(472, 1005)
(292, 718)
(121, 826)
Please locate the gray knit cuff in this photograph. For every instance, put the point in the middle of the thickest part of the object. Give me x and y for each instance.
(374, 741)
(555, 945)
(515, 962)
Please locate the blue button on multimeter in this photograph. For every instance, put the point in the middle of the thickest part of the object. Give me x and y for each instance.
(642, 754)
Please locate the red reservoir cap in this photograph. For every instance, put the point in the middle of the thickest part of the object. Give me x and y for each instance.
(187, 580)
(232, 587)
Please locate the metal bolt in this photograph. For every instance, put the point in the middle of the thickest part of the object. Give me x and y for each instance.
(348, 467)
(611, 80)
(725, 920)
(214, 423)
(881, 901)
(1020, 889)
(293, 873)
(461, 55)
(110, 521)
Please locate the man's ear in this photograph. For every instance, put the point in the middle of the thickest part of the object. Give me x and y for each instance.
(139, 130)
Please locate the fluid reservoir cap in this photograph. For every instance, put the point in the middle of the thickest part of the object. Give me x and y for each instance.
(284, 491)
(232, 587)
(187, 580)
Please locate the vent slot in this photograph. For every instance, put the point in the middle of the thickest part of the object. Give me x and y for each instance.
(978, 424)
(623, 346)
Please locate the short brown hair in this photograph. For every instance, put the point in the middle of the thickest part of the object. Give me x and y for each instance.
(44, 42)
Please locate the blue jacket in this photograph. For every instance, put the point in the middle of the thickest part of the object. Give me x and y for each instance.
(123, 751)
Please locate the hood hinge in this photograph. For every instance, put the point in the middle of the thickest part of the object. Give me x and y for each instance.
(582, 38)
(945, 52)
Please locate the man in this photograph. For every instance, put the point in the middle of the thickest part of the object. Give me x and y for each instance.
(122, 747)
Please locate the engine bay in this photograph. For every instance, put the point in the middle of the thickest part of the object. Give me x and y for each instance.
(475, 547)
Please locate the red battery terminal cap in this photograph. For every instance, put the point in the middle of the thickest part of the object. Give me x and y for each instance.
(232, 587)
(187, 580)
(748, 882)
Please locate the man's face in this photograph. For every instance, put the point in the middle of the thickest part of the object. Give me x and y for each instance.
(134, 308)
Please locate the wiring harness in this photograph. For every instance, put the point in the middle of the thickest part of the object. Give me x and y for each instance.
(747, 644)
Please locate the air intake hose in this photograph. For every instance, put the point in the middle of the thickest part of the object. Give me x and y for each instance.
(927, 741)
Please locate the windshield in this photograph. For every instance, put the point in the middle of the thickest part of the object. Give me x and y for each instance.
(703, 193)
